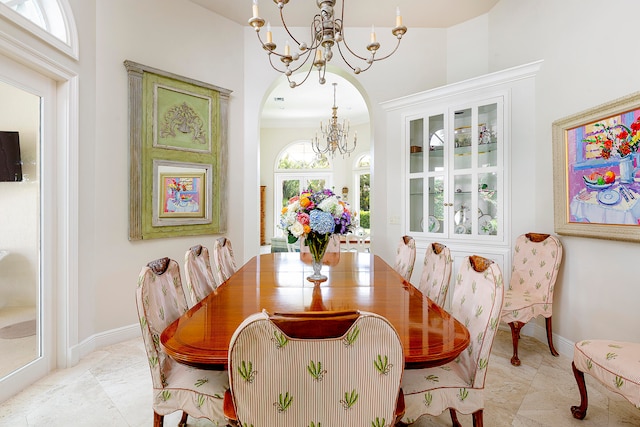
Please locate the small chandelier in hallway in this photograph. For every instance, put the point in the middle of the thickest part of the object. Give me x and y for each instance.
(326, 31)
(335, 136)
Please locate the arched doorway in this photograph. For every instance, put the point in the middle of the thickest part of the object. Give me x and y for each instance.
(294, 115)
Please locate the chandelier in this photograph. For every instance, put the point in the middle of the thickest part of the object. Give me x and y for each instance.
(335, 136)
(326, 31)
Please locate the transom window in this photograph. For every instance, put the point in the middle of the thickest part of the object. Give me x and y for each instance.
(300, 155)
(47, 19)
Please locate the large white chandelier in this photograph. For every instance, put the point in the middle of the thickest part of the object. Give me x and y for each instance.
(326, 31)
(335, 136)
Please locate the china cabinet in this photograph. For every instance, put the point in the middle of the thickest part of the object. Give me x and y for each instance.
(455, 176)
(455, 144)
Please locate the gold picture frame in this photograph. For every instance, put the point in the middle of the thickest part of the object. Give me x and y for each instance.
(586, 205)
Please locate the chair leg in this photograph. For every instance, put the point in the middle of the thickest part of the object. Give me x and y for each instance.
(158, 420)
(183, 420)
(477, 418)
(580, 412)
(454, 418)
(515, 336)
(550, 337)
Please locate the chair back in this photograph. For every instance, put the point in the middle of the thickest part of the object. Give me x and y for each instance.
(297, 371)
(223, 260)
(405, 257)
(160, 300)
(536, 262)
(198, 274)
(436, 273)
(477, 302)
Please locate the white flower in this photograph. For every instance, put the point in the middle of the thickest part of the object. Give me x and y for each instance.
(331, 205)
(296, 229)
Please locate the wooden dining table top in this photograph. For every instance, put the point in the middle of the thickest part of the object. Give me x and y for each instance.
(277, 283)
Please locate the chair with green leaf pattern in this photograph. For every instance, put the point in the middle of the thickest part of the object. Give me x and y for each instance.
(458, 386)
(315, 369)
(176, 387)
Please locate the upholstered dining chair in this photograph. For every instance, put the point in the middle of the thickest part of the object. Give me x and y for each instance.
(616, 364)
(405, 257)
(315, 369)
(536, 261)
(436, 273)
(224, 263)
(458, 385)
(199, 277)
(199, 393)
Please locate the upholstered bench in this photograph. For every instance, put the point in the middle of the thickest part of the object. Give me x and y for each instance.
(615, 364)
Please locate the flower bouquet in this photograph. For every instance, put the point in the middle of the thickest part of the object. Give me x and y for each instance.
(315, 216)
(618, 141)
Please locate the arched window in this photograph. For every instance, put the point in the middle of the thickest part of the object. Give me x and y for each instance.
(300, 155)
(46, 19)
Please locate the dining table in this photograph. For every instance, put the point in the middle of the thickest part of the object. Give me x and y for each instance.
(277, 283)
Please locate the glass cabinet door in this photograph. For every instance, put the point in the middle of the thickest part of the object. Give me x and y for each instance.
(476, 168)
(427, 169)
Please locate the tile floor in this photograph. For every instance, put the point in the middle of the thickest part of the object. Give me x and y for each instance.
(112, 387)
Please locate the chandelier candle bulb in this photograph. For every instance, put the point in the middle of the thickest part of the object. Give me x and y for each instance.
(398, 17)
(255, 8)
(287, 49)
(373, 34)
(269, 34)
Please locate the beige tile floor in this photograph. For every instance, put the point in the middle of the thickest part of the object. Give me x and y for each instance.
(112, 387)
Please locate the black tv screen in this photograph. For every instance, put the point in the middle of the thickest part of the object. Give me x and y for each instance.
(10, 164)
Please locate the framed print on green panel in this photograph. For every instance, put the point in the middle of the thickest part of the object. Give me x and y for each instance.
(178, 154)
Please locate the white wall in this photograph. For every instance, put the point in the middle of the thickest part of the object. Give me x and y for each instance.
(178, 37)
(586, 63)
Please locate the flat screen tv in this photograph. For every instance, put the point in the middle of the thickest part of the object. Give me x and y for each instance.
(10, 164)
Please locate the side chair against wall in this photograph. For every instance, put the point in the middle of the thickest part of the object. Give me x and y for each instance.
(436, 273)
(405, 257)
(536, 261)
(224, 263)
(459, 385)
(199, 393)
(315, 369)
(615, 364)
(199, 277)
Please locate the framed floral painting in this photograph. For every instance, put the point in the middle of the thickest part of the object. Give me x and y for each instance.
(178, 154)
(597, 171)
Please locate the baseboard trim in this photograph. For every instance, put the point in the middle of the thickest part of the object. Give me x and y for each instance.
(100, 340)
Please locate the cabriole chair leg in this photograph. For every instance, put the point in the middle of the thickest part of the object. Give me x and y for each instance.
(477, 418)
(515, 336)
(158, 420)
(580, 412)
(183, 420)
(454, 418)
(550, 337)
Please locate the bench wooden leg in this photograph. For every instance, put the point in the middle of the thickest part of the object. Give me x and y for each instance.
(580, 412)
(183, 420)
(158, 420)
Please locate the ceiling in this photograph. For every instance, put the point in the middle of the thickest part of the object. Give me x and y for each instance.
(311, 102)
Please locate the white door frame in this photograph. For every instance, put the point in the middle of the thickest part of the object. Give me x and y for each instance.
(59, 208)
